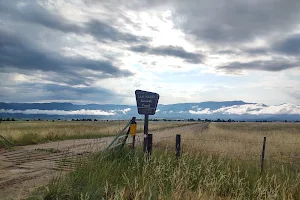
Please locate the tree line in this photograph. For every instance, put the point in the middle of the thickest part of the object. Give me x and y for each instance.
(190, 120)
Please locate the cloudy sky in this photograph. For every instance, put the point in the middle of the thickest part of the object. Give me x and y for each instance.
(101, 51)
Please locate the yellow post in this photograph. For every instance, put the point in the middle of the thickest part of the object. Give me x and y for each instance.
(133, 129)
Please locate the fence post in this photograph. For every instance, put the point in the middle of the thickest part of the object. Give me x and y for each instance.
(149, 146)
(145, 144)
(263, 156)
(133, 142)
(133, 122)
(177, 147)
(146, 121)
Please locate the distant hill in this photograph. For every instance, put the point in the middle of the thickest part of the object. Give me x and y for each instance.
(237, 110)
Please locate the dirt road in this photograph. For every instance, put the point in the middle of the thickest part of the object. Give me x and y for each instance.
(24, 168)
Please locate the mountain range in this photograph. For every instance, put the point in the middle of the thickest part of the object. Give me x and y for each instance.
(236, 110)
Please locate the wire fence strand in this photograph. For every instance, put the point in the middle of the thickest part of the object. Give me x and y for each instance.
(240, 152)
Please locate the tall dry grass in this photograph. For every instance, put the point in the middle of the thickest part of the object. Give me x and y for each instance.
(128, 175)
(214, 165)
(244, 141)
(33, 132)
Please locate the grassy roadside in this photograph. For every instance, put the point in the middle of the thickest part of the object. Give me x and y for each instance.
(125, 175)
(221, 162)
(26, 133)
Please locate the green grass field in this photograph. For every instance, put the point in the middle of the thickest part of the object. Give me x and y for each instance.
(34, 132)
(204, 171)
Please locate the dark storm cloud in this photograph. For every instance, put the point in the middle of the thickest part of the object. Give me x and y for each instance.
(18, 53)
(30, 92)
(235, 21)
(174, 51)
(245, 51)
(35, 13)
(256, 51)
(54, 91)
(272, 65)
(289, 45)
(32, 12)
(228, 51)
(77, 90)
(102, 31)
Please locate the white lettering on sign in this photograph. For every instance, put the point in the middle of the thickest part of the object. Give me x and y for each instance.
(146, 101)
(147, 96)
(150, 96)
(146, 105)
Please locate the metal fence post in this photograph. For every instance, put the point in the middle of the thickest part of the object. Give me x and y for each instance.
(177, 147)
(263, 156)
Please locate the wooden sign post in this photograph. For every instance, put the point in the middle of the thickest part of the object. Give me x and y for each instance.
(146, 105)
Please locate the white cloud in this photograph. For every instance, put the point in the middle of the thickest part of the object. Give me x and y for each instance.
(252, 109)
(61, 112)
(201, 112)
(124, 111)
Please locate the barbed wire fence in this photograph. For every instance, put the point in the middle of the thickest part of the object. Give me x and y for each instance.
(242, 151)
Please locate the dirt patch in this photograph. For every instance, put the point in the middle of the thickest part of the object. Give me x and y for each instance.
(24, 168)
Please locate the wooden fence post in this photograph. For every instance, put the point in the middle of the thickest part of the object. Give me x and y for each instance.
(145, 144)
(146, 124)
(149, 146)
(263, 156)
(177, 147)
(133, 142)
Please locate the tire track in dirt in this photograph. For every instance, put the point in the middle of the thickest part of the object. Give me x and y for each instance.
(22, 168)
